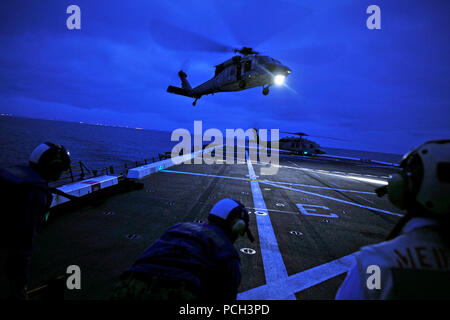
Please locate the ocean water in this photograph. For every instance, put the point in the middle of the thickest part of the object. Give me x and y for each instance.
(96, 146)
(103, 146)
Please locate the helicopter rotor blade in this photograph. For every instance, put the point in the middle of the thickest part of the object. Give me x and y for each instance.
(313, 54)
(301, 134)
(175, 38)
(252, 27)
(331, 138)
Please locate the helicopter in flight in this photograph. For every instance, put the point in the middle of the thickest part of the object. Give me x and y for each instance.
(246, 69)
(241, 72)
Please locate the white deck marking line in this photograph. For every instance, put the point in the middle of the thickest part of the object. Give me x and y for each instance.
(317, 187)
(280, 182)
(294, 164)
(274, 268)
(335, 199)
(355, 176)
(274, 210)
(204, 175)
(359, 178)
(348, 175)
(299, 281)
(374, 166)
(333, 184)
(365, 199)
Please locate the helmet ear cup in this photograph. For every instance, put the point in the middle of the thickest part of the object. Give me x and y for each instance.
(397, 189)
(56, 168)
(238, 227)
(54, 162)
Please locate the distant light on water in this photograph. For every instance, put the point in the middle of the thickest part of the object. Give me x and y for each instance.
(96, 146)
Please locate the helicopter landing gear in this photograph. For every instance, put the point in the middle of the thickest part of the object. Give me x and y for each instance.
(196, 98)
(242, 84)
(265, 90)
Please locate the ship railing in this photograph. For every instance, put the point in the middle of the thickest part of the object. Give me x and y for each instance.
(79, 171)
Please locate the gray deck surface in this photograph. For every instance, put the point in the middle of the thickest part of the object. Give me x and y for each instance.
(350, 216)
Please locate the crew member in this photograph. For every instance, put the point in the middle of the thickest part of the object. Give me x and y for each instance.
(191, 261)
(25, 189)
(414, 262)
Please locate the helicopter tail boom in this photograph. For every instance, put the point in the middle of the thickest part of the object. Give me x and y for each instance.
(180, 91)
(185, 90)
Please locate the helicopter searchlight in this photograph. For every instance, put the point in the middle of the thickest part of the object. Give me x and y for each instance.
(278, 80)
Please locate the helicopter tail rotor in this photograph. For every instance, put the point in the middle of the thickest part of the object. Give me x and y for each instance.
(185, 90)
(184, 83)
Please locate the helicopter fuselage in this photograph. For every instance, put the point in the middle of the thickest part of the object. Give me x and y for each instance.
(300, 146)
(237, 74)
(254, 70)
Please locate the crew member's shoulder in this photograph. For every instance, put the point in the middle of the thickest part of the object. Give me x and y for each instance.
(417, 248)
(386, 246)
(186, 226)
(196, 226)
(21, 174)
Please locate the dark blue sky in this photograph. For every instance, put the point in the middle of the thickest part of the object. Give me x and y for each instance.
(384, 90)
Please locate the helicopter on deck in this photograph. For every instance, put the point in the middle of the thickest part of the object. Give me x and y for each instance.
(300, 145)
(297, 144)
(244, 71)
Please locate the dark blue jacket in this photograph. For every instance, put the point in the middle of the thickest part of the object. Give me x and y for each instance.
(198, 253)
(25, 199)
(26, 194)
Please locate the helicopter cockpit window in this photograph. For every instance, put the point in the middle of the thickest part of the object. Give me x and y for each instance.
(263, 59)
(276, 61)
(248, 66)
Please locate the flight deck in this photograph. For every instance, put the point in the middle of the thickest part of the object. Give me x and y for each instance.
(308, 220)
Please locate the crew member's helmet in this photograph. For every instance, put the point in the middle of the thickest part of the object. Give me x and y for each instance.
(232, 216)
(424, 178)
(50, 160)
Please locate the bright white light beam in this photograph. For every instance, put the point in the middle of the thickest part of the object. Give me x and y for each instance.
(279, 79)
